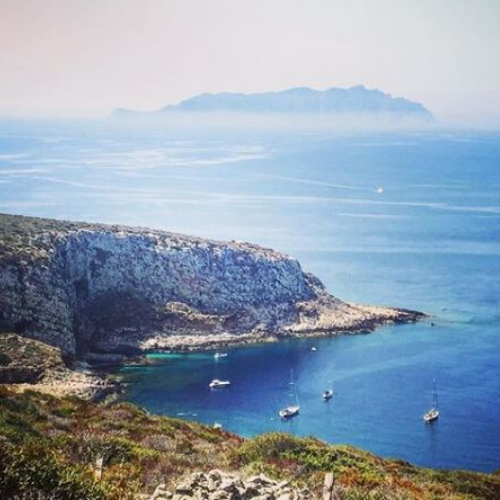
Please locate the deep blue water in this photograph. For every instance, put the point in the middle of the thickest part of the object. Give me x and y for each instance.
(430, 241)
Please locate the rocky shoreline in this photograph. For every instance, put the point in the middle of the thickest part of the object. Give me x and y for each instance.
(194, 343)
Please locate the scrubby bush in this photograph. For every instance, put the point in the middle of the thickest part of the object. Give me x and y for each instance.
(4, 359)
(33, 471)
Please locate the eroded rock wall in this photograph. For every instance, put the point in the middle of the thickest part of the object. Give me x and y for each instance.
(87, 287)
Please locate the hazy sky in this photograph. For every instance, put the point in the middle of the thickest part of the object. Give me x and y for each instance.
(85, 57)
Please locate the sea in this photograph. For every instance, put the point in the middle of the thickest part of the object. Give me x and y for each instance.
(408, 219)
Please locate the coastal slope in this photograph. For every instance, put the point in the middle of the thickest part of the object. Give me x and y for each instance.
(48, 448)
(93, 288)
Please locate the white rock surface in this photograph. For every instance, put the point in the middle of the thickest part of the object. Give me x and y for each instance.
(218, 485)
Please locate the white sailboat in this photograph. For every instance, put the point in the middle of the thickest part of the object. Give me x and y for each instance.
(293, 410)
(433, 413)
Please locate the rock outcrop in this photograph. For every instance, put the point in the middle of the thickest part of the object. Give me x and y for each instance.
(33, 365)
(96, 288)
(218, 485)
(25, 360)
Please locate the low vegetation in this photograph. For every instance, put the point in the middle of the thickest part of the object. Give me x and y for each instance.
(30, 237)
(49, 447)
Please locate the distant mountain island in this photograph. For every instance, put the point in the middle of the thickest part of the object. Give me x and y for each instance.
(356, 100)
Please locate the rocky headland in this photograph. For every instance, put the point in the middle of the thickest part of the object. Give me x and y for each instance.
(95, 290)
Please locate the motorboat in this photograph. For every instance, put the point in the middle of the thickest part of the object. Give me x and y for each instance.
(219, 355)
(217, 384)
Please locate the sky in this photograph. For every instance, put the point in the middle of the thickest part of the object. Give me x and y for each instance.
(87, 57)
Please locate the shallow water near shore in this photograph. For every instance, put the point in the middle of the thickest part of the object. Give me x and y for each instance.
(410, 220)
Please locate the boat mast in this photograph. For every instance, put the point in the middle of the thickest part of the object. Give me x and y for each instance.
(435, 400)
(292, 383)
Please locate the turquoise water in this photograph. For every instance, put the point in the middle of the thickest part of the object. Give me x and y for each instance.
(430, 241)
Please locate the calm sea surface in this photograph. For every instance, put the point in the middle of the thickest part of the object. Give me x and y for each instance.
(429, 241)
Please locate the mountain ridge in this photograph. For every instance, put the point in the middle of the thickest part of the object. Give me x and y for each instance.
(355, 100)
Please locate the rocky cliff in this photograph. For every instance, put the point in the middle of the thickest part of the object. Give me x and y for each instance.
(89, 287)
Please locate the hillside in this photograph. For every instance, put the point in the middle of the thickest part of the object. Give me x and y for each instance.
(92, 289)
(49, 445)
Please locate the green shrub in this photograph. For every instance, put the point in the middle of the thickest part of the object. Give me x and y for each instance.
(273, 445)
(14, 427)
(4, 359)
(34, 471)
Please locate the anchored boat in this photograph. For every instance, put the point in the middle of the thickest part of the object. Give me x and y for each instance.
(433, 413)
(293, 410)
(289, 412)
(328, 394)
(217, 384)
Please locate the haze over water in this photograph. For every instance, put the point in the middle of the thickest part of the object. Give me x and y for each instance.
(427, 240)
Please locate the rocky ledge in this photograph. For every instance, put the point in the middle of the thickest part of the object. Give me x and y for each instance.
(30, 364)
(92, 289)
(218, 485)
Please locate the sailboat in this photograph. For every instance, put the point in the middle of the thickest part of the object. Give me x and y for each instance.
(328, 394)
(433, 413)
(291, 411)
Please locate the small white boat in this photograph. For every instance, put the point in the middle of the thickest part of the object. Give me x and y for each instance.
(293, 410)
(218, 355)
(380, 189)
(328, 394)
(433, 413)
(289, 412)
(216, 383)
(313, 349)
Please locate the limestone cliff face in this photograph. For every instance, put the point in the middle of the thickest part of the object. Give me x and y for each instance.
(86, 287)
